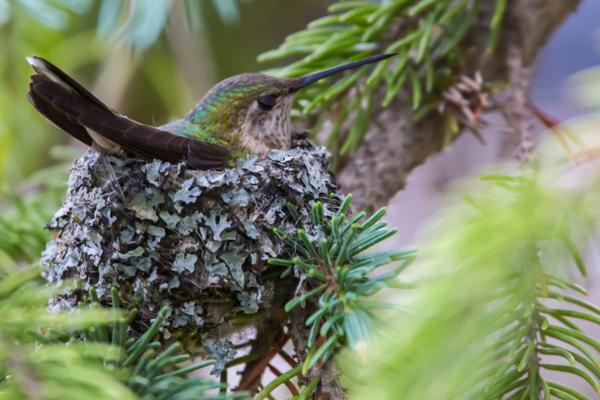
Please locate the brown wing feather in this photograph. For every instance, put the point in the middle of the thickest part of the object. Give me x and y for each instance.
(55, 116)
(45, 68)
(72, 108)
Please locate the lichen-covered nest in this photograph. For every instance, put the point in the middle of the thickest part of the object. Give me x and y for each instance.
(195, 240)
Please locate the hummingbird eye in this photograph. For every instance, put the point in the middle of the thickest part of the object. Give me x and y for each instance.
(267, 102)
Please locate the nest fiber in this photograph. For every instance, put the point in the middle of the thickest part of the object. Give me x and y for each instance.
(197, 241)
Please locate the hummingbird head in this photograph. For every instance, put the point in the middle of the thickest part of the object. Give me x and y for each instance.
(253, 110)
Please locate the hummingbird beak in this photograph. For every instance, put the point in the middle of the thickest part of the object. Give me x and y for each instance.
(311, 78)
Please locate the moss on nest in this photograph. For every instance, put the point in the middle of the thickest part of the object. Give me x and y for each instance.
(197, 241)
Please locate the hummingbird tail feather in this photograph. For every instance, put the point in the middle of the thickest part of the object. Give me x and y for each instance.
(57, 117)
(76, 111)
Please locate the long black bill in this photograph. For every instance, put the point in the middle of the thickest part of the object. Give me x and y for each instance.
(311, 78)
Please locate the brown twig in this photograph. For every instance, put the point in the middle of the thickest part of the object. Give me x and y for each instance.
(250, 376)
(559, 130)
(289, 385)
(289, 359)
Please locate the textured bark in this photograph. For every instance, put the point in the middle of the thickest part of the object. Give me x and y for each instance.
(330, 387)
(395, 145)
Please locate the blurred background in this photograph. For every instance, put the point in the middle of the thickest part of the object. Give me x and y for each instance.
(569, 57)
(156, 66)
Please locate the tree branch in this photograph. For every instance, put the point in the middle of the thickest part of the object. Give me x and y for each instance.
(395, 145)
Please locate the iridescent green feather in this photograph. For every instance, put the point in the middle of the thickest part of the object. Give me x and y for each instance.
(216, 118)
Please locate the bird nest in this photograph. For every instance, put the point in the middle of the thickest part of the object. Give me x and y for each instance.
(197, 241)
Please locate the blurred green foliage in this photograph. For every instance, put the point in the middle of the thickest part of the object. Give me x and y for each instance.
(26, 212)
(495, 307)
(586, 87)
(24, 137)
(87, 353)
(32, 364)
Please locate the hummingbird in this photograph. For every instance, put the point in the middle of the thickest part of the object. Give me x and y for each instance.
(243, 114)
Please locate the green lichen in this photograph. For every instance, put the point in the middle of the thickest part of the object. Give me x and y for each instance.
(197, 241)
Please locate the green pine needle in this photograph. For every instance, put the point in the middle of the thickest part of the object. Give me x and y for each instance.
(432, 32)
